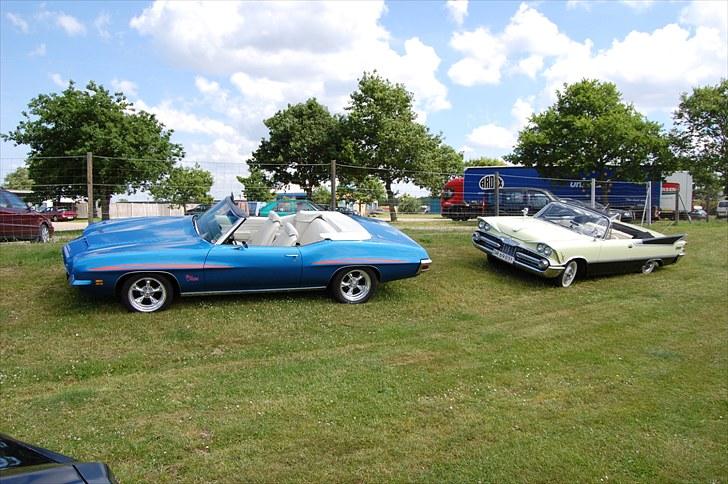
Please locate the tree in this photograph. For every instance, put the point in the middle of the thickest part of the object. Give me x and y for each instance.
(409, 204)
(184, 186)
(256, 186)
(484, 161)
(700, 136)
(588, 132)
(131, 148)
(440, 163)
(302, 141)
(18, 180)
(383, 138)
(321, 195)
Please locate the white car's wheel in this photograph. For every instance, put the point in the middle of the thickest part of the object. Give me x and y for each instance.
(650, 266)
(146, 293)
(567, 277)
(354, 286)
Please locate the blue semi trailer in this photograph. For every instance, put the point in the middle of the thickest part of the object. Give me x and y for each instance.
(473, 194)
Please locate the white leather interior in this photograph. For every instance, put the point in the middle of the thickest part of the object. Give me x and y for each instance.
(314, 231)
(268, 231)
(287, 237)
(308, 226)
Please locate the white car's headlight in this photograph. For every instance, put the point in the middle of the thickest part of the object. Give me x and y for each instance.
(544, 249)
(483, 225)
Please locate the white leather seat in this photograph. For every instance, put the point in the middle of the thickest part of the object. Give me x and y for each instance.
(268, 231)
(314, 230)
(287, 237)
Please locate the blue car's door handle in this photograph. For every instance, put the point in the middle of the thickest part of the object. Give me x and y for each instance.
(292, 255)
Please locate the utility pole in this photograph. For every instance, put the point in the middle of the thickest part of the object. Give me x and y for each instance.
(90, 186)
(497, 194)
(333, 185)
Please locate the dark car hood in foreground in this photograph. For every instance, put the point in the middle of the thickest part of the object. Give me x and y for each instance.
(140, 231)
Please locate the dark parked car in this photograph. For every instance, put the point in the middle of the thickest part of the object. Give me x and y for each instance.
(22, 463)
(20, 222)
(200, 209)
(58, 213)
(698, 214)
(621, 214)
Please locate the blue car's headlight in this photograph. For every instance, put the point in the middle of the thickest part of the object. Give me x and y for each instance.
(544, 249)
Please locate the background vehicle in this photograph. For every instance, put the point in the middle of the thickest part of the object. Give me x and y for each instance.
(625, 215)
(20, 222)
(22, 463)
(201, 208)
(468, 196)
(512, 202)
(287, 206)
(722, 209)
(58, 213)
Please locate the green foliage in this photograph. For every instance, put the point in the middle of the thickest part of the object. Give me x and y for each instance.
(321, 195)
(18, 180)
(588, 129)
(700, 136)
(409, 204)
(256, 186)
(132, 148)
(384, 138)
(484, 161)
(302, 141)
(184, 186)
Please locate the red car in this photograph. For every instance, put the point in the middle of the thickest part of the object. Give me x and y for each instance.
(20, 222)
(58, 213)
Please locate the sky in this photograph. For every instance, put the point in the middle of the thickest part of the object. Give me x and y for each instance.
(213, 71)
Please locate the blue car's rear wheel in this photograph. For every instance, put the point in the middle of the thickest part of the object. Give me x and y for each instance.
(354, 285)
(146, 293)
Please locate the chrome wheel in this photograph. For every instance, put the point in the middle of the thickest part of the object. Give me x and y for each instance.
(569, 274)
(147, 294)
(355, 285)
(649, 266)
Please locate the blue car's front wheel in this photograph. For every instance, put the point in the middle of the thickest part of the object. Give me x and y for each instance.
(146, 293)
(354, 285)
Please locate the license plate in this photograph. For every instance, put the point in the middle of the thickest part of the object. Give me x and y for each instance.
(504, 257)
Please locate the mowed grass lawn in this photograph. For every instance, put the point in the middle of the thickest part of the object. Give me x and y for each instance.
(471, 372)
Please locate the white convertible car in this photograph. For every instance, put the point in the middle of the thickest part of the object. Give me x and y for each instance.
(563, 241)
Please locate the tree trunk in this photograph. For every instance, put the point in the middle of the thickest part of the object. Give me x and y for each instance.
(390, 201)
(105, 204)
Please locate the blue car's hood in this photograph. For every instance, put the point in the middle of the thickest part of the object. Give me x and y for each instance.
(141, 231)
(383, 232)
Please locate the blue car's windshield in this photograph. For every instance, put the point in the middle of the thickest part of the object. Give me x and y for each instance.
(217, 220)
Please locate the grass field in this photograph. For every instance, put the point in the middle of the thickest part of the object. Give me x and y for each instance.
(470, 372)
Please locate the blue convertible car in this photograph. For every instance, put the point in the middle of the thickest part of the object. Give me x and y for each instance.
(147, 262)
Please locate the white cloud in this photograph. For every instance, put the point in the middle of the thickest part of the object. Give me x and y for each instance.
(485, 56)
(58, 80)
(18, 22)
(640, 5)
(709, 13)
(101, 23)
(522, 110)
(650, 68)
(458, 10)
(185, 122)
(129, 88)
(70, 24)
(492, 136)
(288, 51)
(39, 51)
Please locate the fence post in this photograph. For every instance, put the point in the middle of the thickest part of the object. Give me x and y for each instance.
(90, 186)
(648, 204)
(593, 192)
(497, 194)
(677, 206)
(333, 184)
